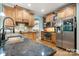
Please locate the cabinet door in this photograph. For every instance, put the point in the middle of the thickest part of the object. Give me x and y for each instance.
(29, 35)
(67, 12)
(9, 13)
(48, 18)
(70, 11)
(61, 14)
(18, 14)
(25, 16)
(31, 21)
(25, 35)
(53, 38)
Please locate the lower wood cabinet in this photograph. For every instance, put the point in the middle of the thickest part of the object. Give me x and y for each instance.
(52, 38)
(29, 35)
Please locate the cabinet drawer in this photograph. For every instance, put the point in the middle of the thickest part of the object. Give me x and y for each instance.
(29, 35)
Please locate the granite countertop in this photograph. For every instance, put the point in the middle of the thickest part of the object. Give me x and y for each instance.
(28, 32)
(21, 32)
(28, 48)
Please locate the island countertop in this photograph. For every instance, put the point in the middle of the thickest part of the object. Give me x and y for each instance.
(28, 48)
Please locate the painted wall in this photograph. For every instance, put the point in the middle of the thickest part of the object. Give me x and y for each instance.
(0, 15)
(78, 28)
(40, 19)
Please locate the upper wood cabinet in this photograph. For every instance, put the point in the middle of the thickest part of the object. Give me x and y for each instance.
(31, 21)
(61, 14)
(67, 11)
(19, 14)
(22, 15)
(9, 12)
(26, 16)
(49, 18)
(70, 11)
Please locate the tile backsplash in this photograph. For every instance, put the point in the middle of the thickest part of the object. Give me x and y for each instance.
(21, 27)
(24, 28)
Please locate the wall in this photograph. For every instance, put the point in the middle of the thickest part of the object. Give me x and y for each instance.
(0, 16)
(40, 19)
(38, 34)
(78, 28)
(1, 21)
(21, 27)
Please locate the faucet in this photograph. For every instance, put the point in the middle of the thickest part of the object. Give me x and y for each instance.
(4, 23)
(3, 30)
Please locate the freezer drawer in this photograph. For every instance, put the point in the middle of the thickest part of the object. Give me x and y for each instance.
(68, 40)
(59, 43)
(59, 39)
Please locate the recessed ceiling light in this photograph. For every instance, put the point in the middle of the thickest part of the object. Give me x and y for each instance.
(42, 10)
(29, 5)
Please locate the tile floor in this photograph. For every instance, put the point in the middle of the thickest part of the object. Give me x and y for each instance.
(60, 52)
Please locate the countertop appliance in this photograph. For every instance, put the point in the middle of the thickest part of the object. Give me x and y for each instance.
(66, 34)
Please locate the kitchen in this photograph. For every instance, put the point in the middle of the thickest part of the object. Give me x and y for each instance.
(43, 27)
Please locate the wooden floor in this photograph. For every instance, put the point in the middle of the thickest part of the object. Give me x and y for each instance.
(60, 52)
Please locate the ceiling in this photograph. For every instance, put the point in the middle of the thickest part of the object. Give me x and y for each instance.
(39, 8)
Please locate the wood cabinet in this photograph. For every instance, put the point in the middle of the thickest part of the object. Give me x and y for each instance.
(49, 18)
(52, 37)
(19, 14)
(67, 11)
(9, 12)
(61, 14)
(31, 21)
(70, 11)
(29, 35)
(24, 16)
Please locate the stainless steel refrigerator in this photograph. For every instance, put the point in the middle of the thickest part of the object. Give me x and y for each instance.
(66, 34)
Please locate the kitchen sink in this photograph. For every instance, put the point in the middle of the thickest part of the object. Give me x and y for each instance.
(10, 39)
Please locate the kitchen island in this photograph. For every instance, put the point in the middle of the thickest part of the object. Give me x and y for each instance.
(28, 48)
